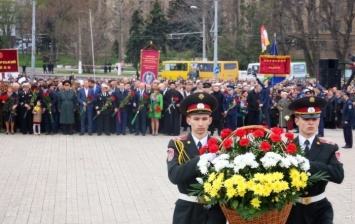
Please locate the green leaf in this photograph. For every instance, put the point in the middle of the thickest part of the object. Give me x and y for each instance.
(234, 204)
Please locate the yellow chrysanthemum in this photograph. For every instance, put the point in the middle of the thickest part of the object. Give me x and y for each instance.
(231, 192)
(211, 177)
(277, 176)
(250, 185)
(207, 187)
(241, 193)
(228, 183)
(259, 177)
(255, 203)
(304, 176)
(237, 179)
(207, 198)
(213, 192)
(294, 174)
(258, 189)
(217, 184)
(242, 186)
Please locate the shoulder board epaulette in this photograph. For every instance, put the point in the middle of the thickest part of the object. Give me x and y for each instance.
(184, 137)
(322, 140)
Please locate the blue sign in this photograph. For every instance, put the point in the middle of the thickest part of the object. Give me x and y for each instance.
(217, 70)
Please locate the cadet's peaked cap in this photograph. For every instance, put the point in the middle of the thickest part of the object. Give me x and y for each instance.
(198, 103)
(65, 82)
(308, 107)
(230, 87)
(207, 85)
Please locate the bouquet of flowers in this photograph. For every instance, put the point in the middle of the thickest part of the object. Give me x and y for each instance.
(256, 171)
(174, 100)
(109, 102)
(47, 101)
(9, 105)
(131, 94)
(33, 99)
(142, 101)
(87, 101)
(232, 105)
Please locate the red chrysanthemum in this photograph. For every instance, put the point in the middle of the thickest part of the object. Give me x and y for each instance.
(213, 148)
(258, 133)
(290, 136)
(212, 141)
(275, 137)
(244, 142)
(225, 133)
(203, 149)
(291, 148)
(227, 143)
(277, 130)
(265, 146)
(240, 133)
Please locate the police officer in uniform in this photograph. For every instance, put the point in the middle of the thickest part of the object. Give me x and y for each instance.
(230, 108)
(348, 120)
(313, 207)
(183, 156)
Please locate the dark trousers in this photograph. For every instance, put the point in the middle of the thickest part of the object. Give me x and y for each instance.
(141, 122)
(26, 122)
(48, 124)
(253, 117)
(193, 213)
(321, 127)
(348, 136)
(266, 113)
(103, 124)
(67, 129)
(121, 126)
(130, 115)
(86, 118)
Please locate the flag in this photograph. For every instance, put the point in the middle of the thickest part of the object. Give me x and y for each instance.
(273, 50)
(264, 39)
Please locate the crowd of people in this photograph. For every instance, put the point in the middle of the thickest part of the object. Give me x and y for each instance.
(120, 106)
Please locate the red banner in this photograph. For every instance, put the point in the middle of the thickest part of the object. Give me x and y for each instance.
(149, 65)
(275, 65)
(8, 61)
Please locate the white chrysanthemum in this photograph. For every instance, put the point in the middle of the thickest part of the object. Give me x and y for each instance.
(202, 165)
(270, 159)
(288, 161)
(220, 164)
(241, 161)
(303, 162)
(199, 180)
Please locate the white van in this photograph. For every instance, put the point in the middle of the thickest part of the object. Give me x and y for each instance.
(298, 70)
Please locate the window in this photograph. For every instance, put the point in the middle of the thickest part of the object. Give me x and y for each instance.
(230, 66)
(323, 45)
(324, 26)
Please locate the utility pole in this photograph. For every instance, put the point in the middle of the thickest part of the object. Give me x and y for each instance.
(33, 59)
(215, 50)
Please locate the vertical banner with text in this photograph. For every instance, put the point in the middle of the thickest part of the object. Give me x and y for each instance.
(149, 65)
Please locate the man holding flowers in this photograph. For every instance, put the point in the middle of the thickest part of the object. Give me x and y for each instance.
(183, 156)
(313, 206)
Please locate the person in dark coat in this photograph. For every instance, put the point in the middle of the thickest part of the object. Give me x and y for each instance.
(103, 110)
(183, 172)
(217, 115)
(141, 103)
(348, 120)
(313, 206)
(124, 98)
(231, 104)
(26, 109)
(185, 93)
(171, 104)
(339, 109)
(86, 102)
(265, 100)
(331, 110)
(254, 106)
(66, 108)
(49, 108)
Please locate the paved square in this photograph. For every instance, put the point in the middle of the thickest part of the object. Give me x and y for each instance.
(109, 179)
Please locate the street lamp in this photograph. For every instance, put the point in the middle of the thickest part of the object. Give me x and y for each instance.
(33, 59)
(204, 58)
(215, 50)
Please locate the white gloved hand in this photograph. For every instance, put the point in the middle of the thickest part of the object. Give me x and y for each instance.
(209, 156)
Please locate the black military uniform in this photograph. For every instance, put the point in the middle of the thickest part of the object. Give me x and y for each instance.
(26, 114)
(348, 120)
(103, 122)
(183, 157)
(313, 207)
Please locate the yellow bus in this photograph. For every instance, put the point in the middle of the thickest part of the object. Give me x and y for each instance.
(229, 70)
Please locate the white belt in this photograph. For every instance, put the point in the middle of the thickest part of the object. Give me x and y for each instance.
(186, 197)
(309, 200)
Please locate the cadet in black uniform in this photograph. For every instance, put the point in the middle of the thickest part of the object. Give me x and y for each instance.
(183, 156)
(313, 207)
(348, 120)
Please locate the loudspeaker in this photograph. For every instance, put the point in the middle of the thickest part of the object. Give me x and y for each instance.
(329, 74)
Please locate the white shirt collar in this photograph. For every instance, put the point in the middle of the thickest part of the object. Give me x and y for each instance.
(203, 141)
(303, 139)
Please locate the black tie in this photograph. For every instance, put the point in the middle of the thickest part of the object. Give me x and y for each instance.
(306, 149)
(199, 145)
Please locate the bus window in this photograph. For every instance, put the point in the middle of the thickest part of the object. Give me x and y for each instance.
(203, 67)
(230, 66)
